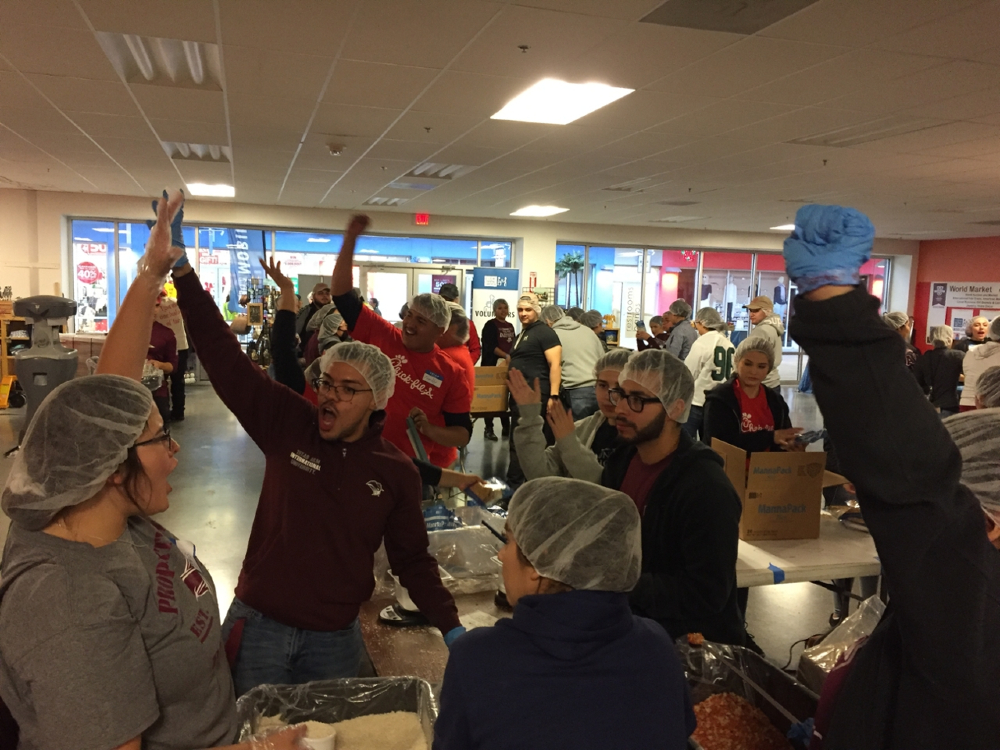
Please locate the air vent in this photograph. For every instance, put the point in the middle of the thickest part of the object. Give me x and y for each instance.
(677, 219)
(429, 175)
(734, 16)
(163, 62)
(632, 186)
(867, 132)
(990, 223)
(197, 152)
(385, 202)
(678, 203)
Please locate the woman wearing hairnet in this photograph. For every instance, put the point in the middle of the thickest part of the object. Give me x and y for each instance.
(929, 675)
(977, 361)
(109, 626)
(573, 669)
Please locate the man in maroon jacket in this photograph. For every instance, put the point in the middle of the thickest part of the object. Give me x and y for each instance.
(333, 489)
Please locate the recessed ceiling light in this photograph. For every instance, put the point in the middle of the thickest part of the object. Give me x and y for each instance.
(212, 191)
(539, 211)
(556, 102)
(318, 239)
(107, 230)
(784, 228)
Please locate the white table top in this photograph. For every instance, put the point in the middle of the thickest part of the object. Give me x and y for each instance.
(839, 552)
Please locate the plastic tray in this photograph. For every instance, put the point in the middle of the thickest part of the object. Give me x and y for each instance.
(331, 701)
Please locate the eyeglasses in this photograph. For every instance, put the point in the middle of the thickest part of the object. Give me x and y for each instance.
(339, 392)
(635, 402)
(162, 438)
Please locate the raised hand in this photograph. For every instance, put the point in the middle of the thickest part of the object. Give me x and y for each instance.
(358, 224)
(161, 253)
(828, 247)
(520, 390)
(560, 419)
(273, 270)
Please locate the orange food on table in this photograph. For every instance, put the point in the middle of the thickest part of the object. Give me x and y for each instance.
(728, 722)
(695, 639)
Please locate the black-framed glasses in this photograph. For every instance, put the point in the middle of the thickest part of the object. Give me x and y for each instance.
(635, 402)
(164, 437)
(339, 392)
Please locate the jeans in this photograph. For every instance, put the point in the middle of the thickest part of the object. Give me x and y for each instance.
(695, 420)
(504, 423)
(583, 401)
(270, 653)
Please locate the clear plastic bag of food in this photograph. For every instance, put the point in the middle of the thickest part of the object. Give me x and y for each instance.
(817, 662)
(333, 701)
(152, 376)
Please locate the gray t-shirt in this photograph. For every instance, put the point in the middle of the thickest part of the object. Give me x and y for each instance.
(99, 645)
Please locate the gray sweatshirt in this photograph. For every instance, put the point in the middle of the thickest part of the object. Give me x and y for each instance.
(580, 351)
(771, 328)
(569, 457)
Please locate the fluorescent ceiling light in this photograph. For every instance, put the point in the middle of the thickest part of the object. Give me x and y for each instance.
(539, 211)
(212, 191)
(784, 228)
(318, 239)
(557, 102)
(107, 230)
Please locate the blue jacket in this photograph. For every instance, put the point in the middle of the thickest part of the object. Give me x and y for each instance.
(570, 671)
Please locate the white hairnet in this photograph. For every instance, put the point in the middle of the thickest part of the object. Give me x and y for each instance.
(370, 363)
(434, 307)
(680, 308)
(942, 335)
(328, 329)
(578, 533)
(591, 319)
(896, 320)
(977, 435)
(319, 316)
(78, 438)
(710, 318)
(532, 300)
(988, 387)
(460, 318)
(755, 344)
(972, 322)
(552, 313)
(612, 360)
(663, 374)
(575, 313)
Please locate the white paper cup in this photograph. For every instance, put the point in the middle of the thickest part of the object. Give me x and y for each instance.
(324, 742)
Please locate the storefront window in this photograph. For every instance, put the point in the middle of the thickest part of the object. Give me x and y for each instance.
(570, 265)
(495, 254)
(670, 276)
(875, 275)
(94, 274)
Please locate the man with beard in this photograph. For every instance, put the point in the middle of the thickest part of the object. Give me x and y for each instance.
(690, 510)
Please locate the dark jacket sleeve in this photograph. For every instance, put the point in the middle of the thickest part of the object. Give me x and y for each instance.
(349, 306)
(928, 529)
(260, 404)
(451, 729)
(429, 473)
(490, 341)
(286, 364)
(720, 421)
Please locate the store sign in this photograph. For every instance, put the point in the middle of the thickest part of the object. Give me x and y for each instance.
(90, 248)
(207, 258)
(88, 273)
(438, 280)
(490, 284)
(955, 303)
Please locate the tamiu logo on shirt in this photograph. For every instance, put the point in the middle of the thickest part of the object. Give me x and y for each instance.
(376, 488)
(304, 461)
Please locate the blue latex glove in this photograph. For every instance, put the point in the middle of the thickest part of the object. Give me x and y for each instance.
(176, 233)
(828, 247)
(452, 635)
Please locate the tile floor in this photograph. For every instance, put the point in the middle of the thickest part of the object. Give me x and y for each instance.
(216, 486)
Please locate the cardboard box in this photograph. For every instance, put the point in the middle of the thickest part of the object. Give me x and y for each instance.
(489, 399)
(491, 376)
(782, 492)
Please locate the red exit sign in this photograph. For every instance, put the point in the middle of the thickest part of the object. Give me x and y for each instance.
(422, 220)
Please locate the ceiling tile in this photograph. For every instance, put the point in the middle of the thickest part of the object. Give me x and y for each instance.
(470, 94)
(552, 38)
(212, 173)
(191, 20)
(85, 95)
(117, 126)
(350, 120)
(377, 84)
(722, 116)
(402, 150)
(29, 120)
(19, 93)
(426, 34)
(165, 103)
(629, 10)
(42, 12)
(505, 134)
(265, 24)
(263, 73)
(473, 156)
(961, 35)
(644, 109)
(54, 50)
(443, 128)
(971, 106)
(574, 139)
(186, 131)
(746, 65)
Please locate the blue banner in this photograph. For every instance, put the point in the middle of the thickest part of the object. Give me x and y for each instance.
(491, 284)
(245, 246)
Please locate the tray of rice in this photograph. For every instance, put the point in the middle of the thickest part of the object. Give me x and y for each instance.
(378, 713)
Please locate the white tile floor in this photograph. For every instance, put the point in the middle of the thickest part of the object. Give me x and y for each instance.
(218, 481)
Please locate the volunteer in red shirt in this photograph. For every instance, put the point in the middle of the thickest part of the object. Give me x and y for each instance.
(453, 342)
(690, 511)
(333, 489)
(430, 386)
(475, 347)
(745, 413)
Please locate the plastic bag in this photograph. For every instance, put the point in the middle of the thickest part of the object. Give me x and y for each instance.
(152, 377)
(817, 662)
(715, 668)
(331, 701)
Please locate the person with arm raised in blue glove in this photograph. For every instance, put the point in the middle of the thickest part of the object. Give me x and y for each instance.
(929, 676)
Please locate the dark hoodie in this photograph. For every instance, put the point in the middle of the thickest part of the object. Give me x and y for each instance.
(724, 417)
(690, 541)
(570, 671)
(325, 505)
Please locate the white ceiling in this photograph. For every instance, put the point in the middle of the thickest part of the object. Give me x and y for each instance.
(403, 82)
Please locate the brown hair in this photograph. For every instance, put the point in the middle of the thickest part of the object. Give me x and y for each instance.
(134, 478)
(548, 585)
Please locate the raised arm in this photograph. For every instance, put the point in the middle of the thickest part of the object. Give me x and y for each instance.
(127, 345)
(286, 362)
(554, 357)
(343, 271)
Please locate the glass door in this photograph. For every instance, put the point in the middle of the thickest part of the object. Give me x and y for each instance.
(773, 282)
(391, 289)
